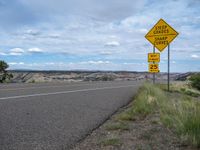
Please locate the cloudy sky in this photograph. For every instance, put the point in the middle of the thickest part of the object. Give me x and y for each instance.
(96, 34)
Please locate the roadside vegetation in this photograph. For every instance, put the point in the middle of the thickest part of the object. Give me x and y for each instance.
(178, 112)
(185, 87)
(117, 126)
(195, 80)
(155, 119)
(4, 75)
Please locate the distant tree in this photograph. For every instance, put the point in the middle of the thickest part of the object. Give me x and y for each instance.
(3, 66)
(4, 76)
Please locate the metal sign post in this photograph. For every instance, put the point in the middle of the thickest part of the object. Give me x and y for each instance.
(168, 78)
(154, 74)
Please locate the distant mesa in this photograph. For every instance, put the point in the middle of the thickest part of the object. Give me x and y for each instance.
(32, 76)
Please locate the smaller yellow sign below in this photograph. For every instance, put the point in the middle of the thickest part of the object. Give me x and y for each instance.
(154, 68)
(154, 57)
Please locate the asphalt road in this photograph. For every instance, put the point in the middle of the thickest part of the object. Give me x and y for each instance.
(55, 116)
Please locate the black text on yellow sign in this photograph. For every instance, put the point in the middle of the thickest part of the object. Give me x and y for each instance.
(161, 35)
(154, 57)
(154, 68)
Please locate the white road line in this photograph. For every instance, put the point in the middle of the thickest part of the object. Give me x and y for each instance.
(64, 92)
(42, 87)
(53, 86)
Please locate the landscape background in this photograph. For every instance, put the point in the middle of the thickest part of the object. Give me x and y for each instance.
(80, 76)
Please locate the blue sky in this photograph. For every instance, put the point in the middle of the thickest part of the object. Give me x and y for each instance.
(96, 35)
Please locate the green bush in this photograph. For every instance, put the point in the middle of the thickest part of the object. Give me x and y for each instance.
(195, 81)
(183, 89)
(4, 75)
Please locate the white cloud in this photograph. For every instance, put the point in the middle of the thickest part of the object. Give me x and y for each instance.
(144, 31)
(16, 63)
(135, 64)
(12, 63)
(106, 10)
(106, 53)
(35, 50)
(194, 56)
(50, 63)
(3, 54)
(112, 44)
(137, 21)
(16, 52)
(95, 62)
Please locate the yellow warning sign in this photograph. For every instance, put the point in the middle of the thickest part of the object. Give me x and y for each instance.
(161, 35)
(154, 68)
(154, 57)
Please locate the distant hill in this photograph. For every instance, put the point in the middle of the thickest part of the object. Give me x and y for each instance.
(30, 76)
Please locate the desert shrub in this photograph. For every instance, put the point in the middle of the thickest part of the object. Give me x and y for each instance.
(191, 93)
(195, 81)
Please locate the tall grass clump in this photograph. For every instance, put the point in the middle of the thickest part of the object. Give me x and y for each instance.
(145, 103)
(183, 116)
(147, 100)
(191, 129)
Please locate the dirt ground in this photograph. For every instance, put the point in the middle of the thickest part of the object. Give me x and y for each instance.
(141, 134)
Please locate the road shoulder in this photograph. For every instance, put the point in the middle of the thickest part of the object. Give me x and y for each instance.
(138, 134)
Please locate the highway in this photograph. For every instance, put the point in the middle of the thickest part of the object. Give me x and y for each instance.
(55, 116)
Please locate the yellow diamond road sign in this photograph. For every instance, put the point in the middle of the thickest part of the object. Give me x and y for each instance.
(161, 35)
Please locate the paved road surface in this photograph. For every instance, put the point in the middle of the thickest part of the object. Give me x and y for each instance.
(54, 116)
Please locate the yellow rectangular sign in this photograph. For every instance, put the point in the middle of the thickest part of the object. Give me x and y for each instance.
(161, 35)
(154, 68)
(154, 57)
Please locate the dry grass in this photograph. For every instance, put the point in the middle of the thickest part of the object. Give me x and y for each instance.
(179, 112)
(181, 87)
(117, 126)
(110, 142)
